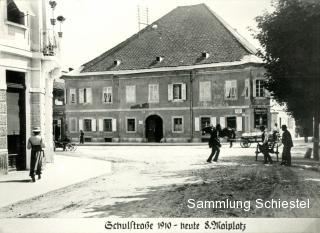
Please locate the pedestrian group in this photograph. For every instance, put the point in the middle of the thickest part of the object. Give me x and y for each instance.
(216, 133)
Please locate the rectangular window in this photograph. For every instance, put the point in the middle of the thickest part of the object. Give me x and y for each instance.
(85, 95)
(205, 122)
(177, 124)
(131, 94)
(87, 125)
(73, 124)
(177, 91)
(232, 122)
(260, 88)
(131, 125)
(107, 125)
(107, 95)
(205, 91)
(260, 117)
(72, 96)
(231, 89)
(153, 93)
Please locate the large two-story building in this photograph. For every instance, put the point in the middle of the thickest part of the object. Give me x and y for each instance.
(183, 72)
(28, 65)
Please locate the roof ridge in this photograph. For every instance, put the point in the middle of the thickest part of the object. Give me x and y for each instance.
(241, 40)
(126, 41)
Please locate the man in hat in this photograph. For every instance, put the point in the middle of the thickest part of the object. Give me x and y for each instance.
(287, 144)
(214, 143)
(264, 148)
(36, 144)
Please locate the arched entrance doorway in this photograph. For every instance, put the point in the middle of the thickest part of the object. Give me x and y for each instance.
(154, 129)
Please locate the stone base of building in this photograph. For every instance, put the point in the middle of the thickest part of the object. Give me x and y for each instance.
(3, 163)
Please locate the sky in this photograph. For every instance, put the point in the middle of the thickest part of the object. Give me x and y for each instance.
(94, 26)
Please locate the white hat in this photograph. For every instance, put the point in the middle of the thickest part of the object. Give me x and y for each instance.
(36, 129)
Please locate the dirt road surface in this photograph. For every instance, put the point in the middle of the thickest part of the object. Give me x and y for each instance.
(158, 181)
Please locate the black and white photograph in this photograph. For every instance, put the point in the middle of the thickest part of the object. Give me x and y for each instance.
(159, 116)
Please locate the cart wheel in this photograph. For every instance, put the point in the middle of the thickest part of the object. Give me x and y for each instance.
(245, 144)
(73, 147)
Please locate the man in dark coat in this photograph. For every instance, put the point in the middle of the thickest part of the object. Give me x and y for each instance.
(287, 144)
(264, 147)
(214, 144)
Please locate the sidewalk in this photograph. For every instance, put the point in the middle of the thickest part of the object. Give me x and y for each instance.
(17, 185)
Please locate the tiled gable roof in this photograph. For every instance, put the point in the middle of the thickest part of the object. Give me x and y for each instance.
(180, 38)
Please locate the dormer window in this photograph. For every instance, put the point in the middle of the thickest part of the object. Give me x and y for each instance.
(116, 62)
(159, 59)
(205, 55)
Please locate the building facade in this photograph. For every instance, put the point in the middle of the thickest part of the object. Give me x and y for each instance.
(28, 63)
(185, 71)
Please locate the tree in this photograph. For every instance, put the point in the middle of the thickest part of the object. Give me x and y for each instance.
(290, 38)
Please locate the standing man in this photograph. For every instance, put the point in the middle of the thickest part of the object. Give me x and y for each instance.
(264, 148)
(36, 144)
(214, 144)
(287, 144)
(81, 137)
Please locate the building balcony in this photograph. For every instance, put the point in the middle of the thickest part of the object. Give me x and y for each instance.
(50, 46)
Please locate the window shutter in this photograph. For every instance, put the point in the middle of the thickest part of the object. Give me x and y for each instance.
(72, 92)
(184, 91)
(93, 125)
(114, 125)
(81, 95)
(196, 124)
(89, 95)
(254, 92)
(222, 122)
(213, 121)
(104, 91)
(235, 89)
(239, 123)
(227, 89)
(100, 125)
(170, 92)
(246, 87)
(156, 93)
(80, 124)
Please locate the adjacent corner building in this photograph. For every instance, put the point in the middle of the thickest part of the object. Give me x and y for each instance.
(183, 72)
(28, 65)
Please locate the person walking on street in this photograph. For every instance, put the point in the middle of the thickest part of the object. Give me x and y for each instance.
(264, 147)
(36, 144)
(287, 145)
(214, 144)
(81, 137)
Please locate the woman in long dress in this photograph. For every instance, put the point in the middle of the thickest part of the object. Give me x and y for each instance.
(36, 144)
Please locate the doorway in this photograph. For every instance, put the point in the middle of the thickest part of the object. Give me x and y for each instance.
(154, 128)
(16, 120)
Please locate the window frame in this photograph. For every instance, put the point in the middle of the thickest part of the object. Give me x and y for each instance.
(75, 96)
(182, 124)
(156, 100)
(105, 90)
(135, 94)
(104, 119)
(231, 81)
(203, 95)
(259, 88)
(135, 124)
(75, 125)
(84, 124)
